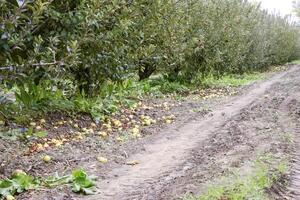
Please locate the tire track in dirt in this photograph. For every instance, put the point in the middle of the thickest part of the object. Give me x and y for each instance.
(173, 147)
(256, 130)
(294, 187)
(292, 125)
(288, 91)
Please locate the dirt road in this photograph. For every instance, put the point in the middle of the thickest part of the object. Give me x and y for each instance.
(199, 148)
(180, 159)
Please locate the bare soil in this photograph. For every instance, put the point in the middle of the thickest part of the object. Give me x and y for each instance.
(207, 140)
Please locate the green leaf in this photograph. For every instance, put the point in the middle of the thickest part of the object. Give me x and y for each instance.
(82, 182)
(23, 182)
(88, 191)
(18, 183)
(76, 188)
(6, 187)
(56, 180)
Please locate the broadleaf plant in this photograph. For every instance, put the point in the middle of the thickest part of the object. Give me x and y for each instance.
(82, 183)
(20, 182)
(16, 184)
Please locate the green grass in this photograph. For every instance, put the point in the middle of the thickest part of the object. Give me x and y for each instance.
(295, 62)
(251, 186)
(232, 80)
(287, 137)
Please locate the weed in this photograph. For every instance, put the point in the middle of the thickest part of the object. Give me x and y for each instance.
(123, 137)
(12, 134)
(16, 184)
(32, 96)
(23, 134)
(80, 181)
(203, 109)
(287, 137)
(30, 133)
(252, 186)
(20, 182)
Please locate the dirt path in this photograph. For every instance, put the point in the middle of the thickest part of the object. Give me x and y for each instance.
(293, 190)
(208, 139)
(169, 159)
(291, 124)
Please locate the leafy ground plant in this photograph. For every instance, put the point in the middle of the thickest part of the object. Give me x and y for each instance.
(20, 182)
(23, 134)
(80, 181)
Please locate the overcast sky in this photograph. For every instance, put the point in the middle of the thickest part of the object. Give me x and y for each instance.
(285, 7)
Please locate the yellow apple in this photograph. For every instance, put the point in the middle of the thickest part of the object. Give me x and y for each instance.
(46, 158)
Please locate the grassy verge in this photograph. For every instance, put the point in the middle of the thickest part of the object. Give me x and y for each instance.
(265, 172)
(232, 80)
(34, 101)
(295, 62)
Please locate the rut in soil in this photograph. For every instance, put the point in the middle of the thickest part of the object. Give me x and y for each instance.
(162, 158)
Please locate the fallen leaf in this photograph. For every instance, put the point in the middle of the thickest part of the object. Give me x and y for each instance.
(133, 162)
(119, 139)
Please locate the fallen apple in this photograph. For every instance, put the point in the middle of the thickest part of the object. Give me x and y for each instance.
(168, 121)
(39, 147)
(93, 125)
(147, 122)
(32, 124)
(46, 145)
(108, 126)
(18, 172)
(135, 131)
(9, 197)
(116, 123)
(102, 134)
(102, 159)
(46, 158)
